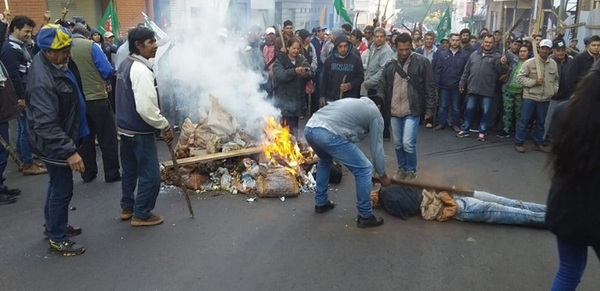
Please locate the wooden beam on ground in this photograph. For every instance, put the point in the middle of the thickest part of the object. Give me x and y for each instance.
(215, 156)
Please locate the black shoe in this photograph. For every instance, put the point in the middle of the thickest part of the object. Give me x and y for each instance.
(113, 179)
(372, 221)
(7, 199)
(324, 208)
(71, 231)
(504, 134)
(66, 248)
(11, 192)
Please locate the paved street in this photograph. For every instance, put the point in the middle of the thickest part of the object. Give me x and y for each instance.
(232, 244)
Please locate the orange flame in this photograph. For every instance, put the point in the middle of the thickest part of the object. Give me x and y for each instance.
(279, 143)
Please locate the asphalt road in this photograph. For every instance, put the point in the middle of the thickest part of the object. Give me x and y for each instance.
(270, 244)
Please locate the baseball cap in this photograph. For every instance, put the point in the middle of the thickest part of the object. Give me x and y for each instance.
(318, 28)
(546, 43)
(558, 43)
(108, 34)
(53, 37)
(270, 30)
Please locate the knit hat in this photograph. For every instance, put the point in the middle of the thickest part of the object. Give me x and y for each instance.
(53, 37)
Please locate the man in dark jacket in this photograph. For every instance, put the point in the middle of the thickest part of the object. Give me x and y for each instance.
(479, 78)
(56, 123)
(582, 63)
(406, 85)
(448, 68)
(563, 61)
(8, 111)
(16, 56)
(317, 41)
(343, 73)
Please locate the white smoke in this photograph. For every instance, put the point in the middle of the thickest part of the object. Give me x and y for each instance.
(208, 59)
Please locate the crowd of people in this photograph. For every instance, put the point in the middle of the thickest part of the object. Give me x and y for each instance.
(68, 93)
(63, 87)
(492, 82)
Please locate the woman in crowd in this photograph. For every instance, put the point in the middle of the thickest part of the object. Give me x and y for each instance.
(574, 199)
(291, 71)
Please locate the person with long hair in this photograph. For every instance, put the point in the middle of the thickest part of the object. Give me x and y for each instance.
(574, 199)
(291, 71)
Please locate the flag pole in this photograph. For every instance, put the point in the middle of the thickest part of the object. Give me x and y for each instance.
(503, 39)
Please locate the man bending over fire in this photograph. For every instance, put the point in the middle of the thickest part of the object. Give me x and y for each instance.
(333, 132)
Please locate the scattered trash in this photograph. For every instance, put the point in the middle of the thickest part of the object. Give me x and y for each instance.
(470, 239)
(174, 225)
(72, 208)
(282, 198)
(252, 199)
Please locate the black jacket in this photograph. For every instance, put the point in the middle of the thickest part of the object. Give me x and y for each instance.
(336, 67)
(572, 212)
(581, 64)
(17, 59)
(52, 110)
(289, 93)
(8, 99)
(449, 67)
(421, 89)
(563, 68)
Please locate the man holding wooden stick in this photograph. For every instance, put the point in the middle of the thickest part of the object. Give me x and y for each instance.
(138, 119)
(539, 78)
(333, 132)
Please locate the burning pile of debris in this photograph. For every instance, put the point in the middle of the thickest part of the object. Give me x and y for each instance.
(216, 154)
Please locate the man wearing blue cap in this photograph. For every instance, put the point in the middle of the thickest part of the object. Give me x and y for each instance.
(56, 123)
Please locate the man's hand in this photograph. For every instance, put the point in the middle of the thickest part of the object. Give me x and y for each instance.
(539, 82)
(345, 87)
(21, 104)
(47, 16)
(322, 102)
(503, 59)
(75, 162)
(64, 12)
(503, 78)
(385, 180)
(167, 135)
(461, 90)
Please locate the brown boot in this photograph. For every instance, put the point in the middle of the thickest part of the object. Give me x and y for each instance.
(153, 220)
(33, 169)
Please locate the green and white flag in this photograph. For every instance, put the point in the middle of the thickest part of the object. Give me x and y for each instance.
(443, 29)
(341, 10)
(110, 21)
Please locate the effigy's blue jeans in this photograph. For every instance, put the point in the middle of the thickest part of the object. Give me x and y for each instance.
(487, 207)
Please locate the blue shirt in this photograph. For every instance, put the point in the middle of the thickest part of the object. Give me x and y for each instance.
(83, 126)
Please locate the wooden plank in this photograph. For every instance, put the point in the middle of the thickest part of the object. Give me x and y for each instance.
(216, 156)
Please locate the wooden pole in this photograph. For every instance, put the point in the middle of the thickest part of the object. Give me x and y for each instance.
(181, 181)
(418, 184)
(503, 28)
(538, 64)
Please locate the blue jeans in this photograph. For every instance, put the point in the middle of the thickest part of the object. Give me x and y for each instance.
(573, 259)
(404, 135)
(486, 105)
(23, 146)
(329, 146)
(528, 108)
(486, 207)
(139, 161)
(56, 209)
(3, 152)
(449, 97)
